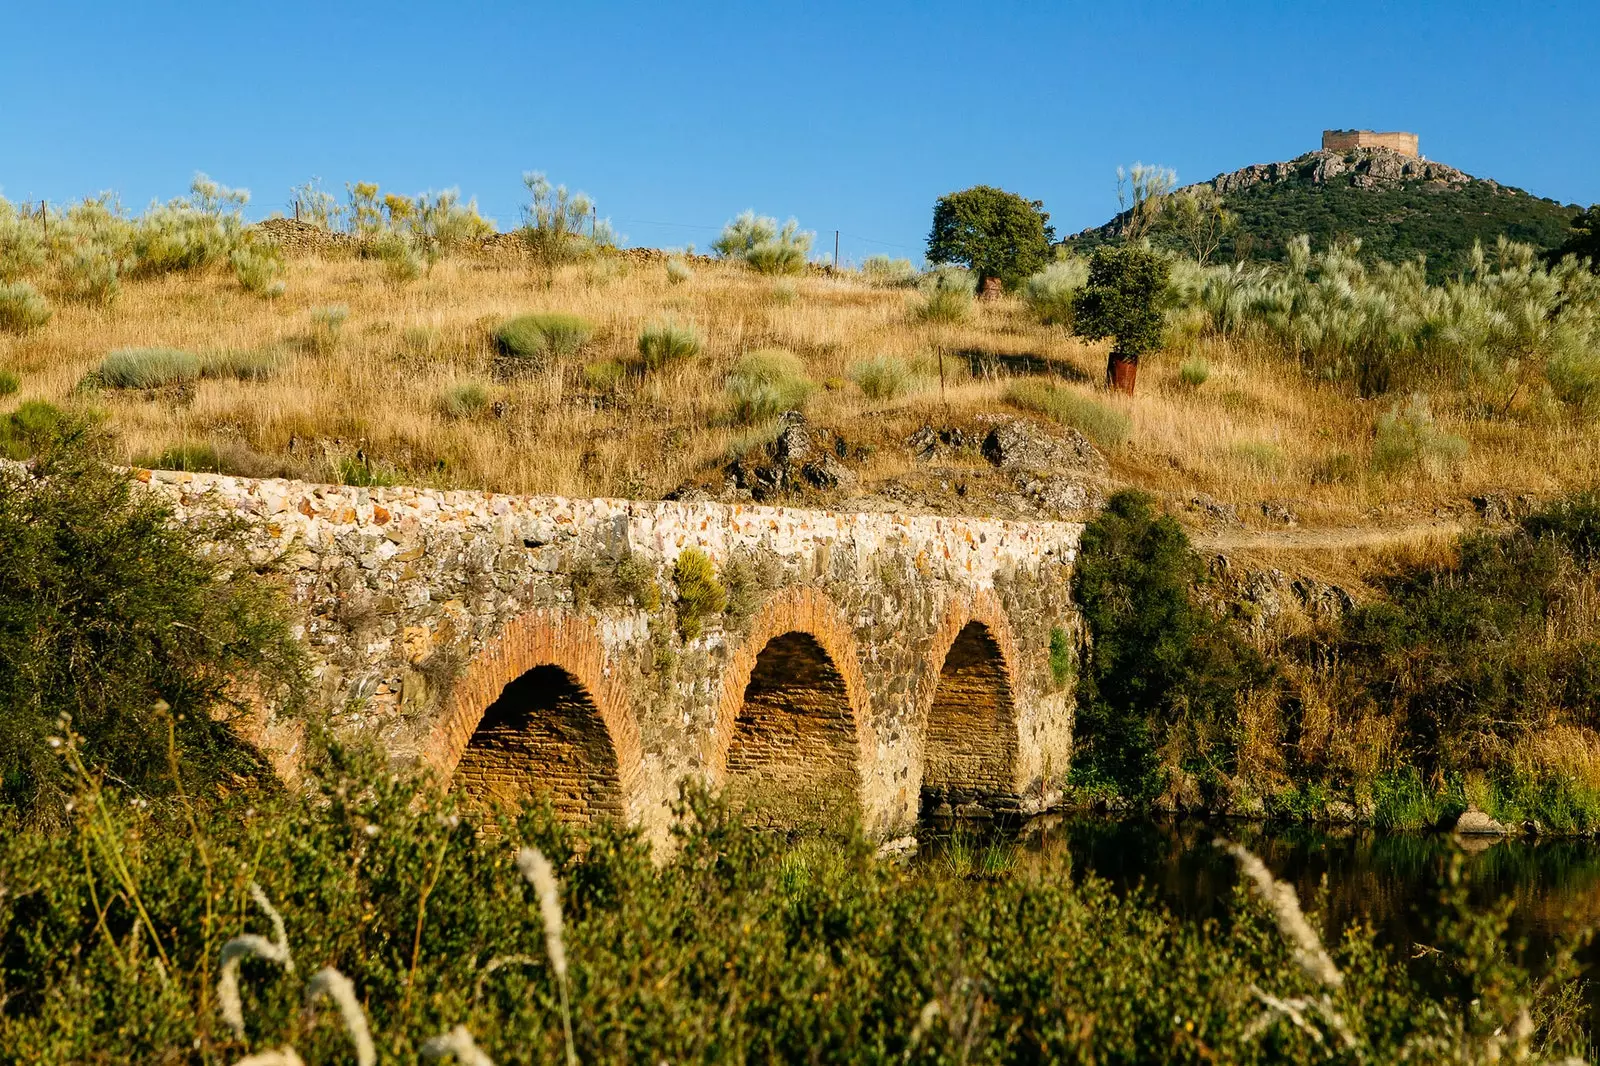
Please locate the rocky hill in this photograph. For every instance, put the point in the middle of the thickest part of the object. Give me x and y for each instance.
(1400, 206)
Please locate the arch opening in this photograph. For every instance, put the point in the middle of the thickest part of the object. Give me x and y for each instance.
(793, 757)
(970, 746)
(543, 736)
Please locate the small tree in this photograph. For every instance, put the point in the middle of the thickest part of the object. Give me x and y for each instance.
(554, 221)
(994, 233)
(763, 246)
(1197, 217)
(1585, 240)
(1140, 192)
(1122, 301)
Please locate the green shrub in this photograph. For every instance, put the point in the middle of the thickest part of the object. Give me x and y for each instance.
(678, 271)
(766, 248)
(34, 425)
(884, 377)
(22, 245)
(363, 473)
(259, 267)
(784, 293)
(193, 457)
(1104, 425)
(1261, 458)
(1194, 372)
(118, 616)
(92, 275)
(666, 342)
(147, 368)
(1574, 377)
(605, 376)
(947, 294)
(1407, 438)
(894, 273)
(327, 323)
(767, 383)
(402, 260)
(1062, 660)
(22, 309)
(465, 399)
(1160, 687)
(9, 383)
(540, 338)
(242, 364)
(700, 594)
(1049, 293)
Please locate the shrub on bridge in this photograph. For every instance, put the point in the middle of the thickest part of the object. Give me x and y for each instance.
(700, 594)
(118, 618)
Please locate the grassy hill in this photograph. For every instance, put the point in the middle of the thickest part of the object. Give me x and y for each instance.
(1398, 207)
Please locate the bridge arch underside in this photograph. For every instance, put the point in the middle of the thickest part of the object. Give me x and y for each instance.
(970, 745)
(543, 738)
(793, 758)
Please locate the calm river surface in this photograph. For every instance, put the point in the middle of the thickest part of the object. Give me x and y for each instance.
(1388, 879)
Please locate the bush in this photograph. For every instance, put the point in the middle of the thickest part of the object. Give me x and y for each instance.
(92, 275)
(884, 377)
(882, 270)
(1104, 425)
(666, 342)
(759, 242)
(1049, 293)
(22, 246)
(700, 594)
(678, 271)
(192, 457)
(540, 338)
(259, 267)
(1194, 372)
(1407, 437)
(9, 383)
(947, 295)
(605, 376)
(327, 323)
(767, 383)
(466, 399)
(22, 309)
(1159, 690)
(114, 614)
(242, 364)
(147, 368)
(33, 426)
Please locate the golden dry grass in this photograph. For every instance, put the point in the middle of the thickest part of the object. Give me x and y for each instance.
(1258, 429)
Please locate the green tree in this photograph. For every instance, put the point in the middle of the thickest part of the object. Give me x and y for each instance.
(1122, 301)
(128, 622)
(1585, 240)
(994, 233)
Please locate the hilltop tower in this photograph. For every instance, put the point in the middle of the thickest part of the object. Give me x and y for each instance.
(1344, 140)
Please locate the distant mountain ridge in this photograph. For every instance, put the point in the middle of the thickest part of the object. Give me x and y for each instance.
(1399, 206)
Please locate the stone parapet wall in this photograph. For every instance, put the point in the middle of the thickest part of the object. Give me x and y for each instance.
(1348, 140)
(408, 599)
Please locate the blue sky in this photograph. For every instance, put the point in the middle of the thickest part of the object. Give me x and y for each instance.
(849, 116)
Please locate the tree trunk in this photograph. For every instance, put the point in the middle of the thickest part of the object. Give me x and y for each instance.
(1121, 371)
(990, 289)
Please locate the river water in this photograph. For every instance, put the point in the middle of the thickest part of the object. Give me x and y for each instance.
(1390, 880)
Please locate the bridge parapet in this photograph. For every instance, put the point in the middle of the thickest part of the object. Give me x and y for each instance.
(412, 600)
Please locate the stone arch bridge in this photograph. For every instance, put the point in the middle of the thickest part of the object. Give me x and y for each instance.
(871, 667)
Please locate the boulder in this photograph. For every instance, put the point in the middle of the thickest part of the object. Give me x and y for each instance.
(1474, 822)
(1021, 445)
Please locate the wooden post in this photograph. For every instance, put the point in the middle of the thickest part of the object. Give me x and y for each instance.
(835, 251)
(44, 219)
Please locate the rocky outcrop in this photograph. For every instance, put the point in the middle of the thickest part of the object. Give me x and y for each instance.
(799, 458)
(1362, 168)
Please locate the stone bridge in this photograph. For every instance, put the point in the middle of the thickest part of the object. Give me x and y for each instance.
(813, 665)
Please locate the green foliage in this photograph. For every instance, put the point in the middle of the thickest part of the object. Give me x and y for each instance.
(116, 617)
(767, 383)
(259, 267)
(361, 471)
(678, 271)
(700, 594)
(554, 221)
(885, 377)
(606, 376)
(1123, 299)
(1194, 372)
(242, 364)
(759, 242)
(1584, 242)
(542, 338)
(946, 295)
(894, 273)
(91, 275)
(1101, 423)
(1159, 691)
(147, 368)
(1050, 293)
(22, 309)
(668, 342)
(32, 427)
(1407, 438)
(22, 242)
(1063, 661)
(191, 456)
(994, 233)
(9, 383)
(465, 399)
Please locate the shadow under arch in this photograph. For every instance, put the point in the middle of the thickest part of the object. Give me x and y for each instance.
(536, 713)
(970, 732)
(792, 747)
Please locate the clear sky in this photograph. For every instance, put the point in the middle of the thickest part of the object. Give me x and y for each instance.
(849, 116)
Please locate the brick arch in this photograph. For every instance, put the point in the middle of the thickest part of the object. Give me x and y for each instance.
(792, 743)
(537, 707)
(969, 725)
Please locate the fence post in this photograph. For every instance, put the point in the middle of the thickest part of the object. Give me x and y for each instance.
(835, 251)
(44, 219)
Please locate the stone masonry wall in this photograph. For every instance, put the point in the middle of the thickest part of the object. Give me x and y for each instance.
(1347, 140)
(420, 607)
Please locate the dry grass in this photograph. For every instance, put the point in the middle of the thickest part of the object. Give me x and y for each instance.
(1256, 429)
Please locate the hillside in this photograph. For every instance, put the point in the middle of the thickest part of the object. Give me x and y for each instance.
(1399, 206)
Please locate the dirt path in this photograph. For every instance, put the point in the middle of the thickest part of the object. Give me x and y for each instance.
(1339, 537)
